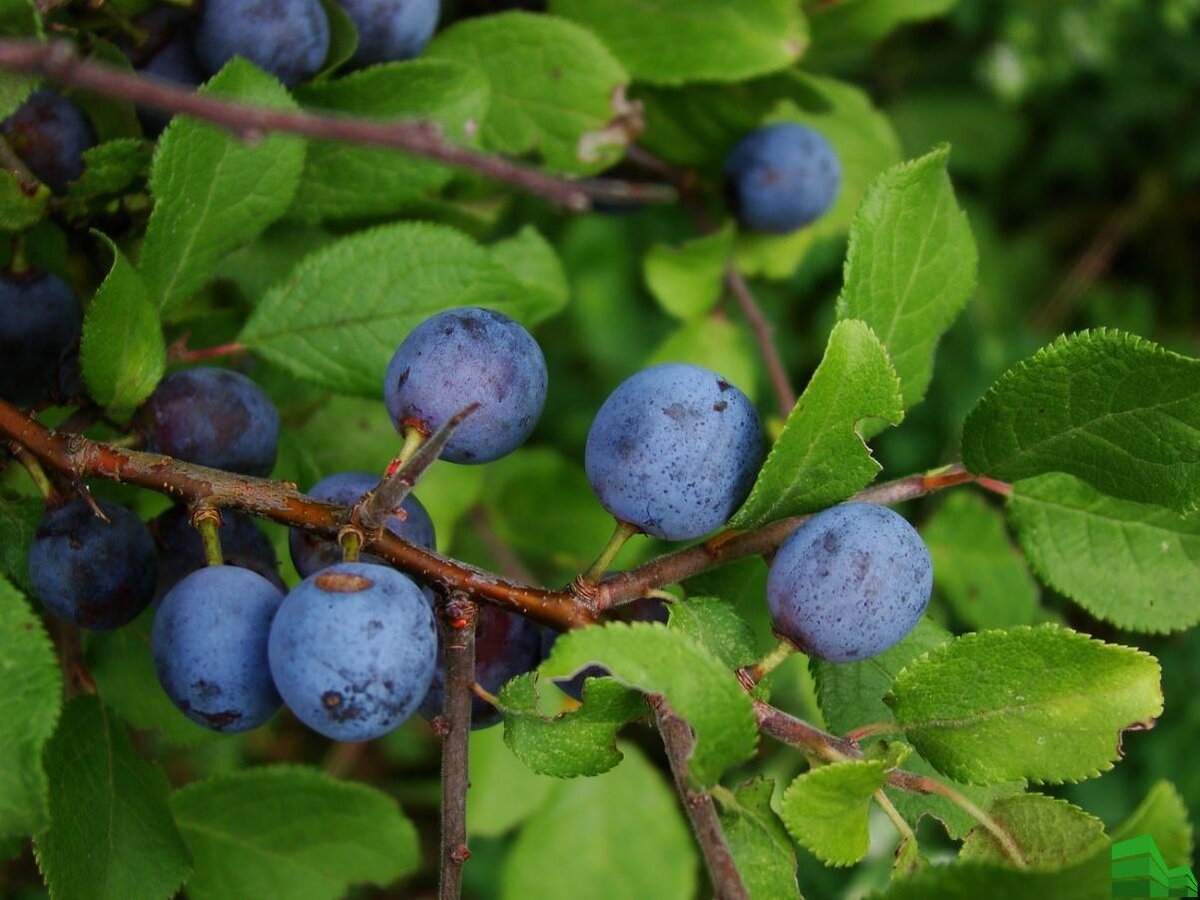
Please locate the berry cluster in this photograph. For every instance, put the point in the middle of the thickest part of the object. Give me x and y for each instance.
(353, 650)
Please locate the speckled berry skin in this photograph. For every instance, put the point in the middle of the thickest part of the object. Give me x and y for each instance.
(288, 38)
(89, 572)
(506, 645)
(782, 177)
(50, 133)
(210, 647)
(674, 450)
(391, 30)
(40, 323)
(212, 417)
(311, 553)
(181, 551)
(850, 582)
(464, 356)
(353, 650)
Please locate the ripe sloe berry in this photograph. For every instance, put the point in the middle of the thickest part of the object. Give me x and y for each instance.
(850, 582)
(288, 38)
(391, 30)
(210, 647)
(465, 356)
(40, 322)
(167, 53)
(212, 417)
(353, 650)
(93, 573)
(311, 553)
(674, 450)
(50, 133)
(506, 645)
(782, 177)
(181, 551)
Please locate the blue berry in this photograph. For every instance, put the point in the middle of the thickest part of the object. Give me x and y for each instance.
(782, 177)
(210, 647)
(353, 650)
(288, 38)
(391, 30)
(506, 645)
(465, 356)
(181, 551)
(850, 582)
(50, 134)
(674, 450)
(89, 572)
(212, 417)
(40, 324)
(311, 553)
(168, 53)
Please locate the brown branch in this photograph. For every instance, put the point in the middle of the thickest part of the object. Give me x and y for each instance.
(733, 545)
(457, 615)
(79, 457)
(59, 61)
(701, 811)
(764, 336)
(26, 180)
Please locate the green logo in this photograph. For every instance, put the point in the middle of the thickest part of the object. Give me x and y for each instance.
(1138, 870)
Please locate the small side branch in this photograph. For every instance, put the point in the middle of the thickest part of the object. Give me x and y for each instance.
(764, 337)
(458, 615)
(701, 811)
(59, 61)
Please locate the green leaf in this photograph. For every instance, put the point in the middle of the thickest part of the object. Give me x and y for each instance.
(1087, 880)
(976, 567)
(714, 624)
(342, 181)
(1164, 816)
(20, 19)
(825, 809)
(555, 87)
(122, 666)
(291, 831)
(717, 344)
(688, 280)
(910, 266)
(18, 209)
(533, 263)
(1115, 410)
(19, 518)
(761, 847)
(1050, 833)
(674, 41)
(111, 118)
(820, 458)
(28, 712)
(110, 168)
(257, 267)
(122, 354)
(343, 39)
(402, 274)
(697, 685)
(503, 792)
(844, 32)
(1047, 704)
(581, 742)
(619, 836)
(1131, 564)
(214, 192)
(111, 831)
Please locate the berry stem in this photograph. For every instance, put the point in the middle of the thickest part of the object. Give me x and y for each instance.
(457, 619)
(622, 533)
(413, 439)
(351, 540)
(207, 521)
(36, 473)
(769, 663)
(906, 832)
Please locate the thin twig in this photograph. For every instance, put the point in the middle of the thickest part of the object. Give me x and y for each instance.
(178, 352)
(458, 615)
(59, 61)
(26, 180)
(764, 336)
(701, 811)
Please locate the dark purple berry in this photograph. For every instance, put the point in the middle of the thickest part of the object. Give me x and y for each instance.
(50, 133)
(40, 323)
